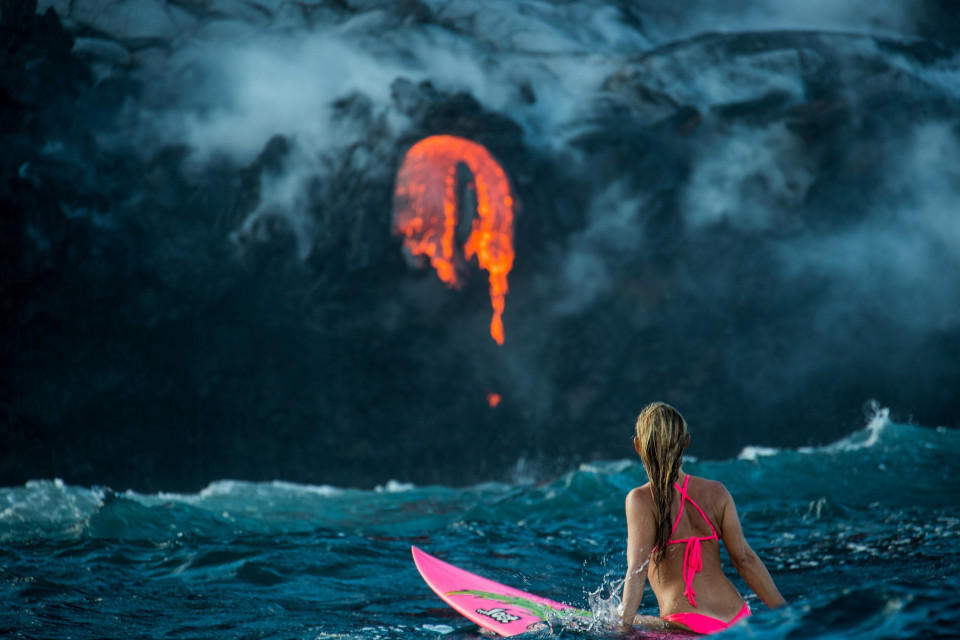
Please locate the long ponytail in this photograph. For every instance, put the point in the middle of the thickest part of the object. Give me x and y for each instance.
(662, 436)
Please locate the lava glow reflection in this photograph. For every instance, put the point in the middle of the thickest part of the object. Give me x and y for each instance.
(425, 213)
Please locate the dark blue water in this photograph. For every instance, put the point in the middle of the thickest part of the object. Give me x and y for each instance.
(861, 537)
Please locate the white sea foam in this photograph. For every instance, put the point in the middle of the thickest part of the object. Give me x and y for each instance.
(395, 486)
(46, 505)
(753, 453)
(879, 419)
(607, 467)
(219, 492)
(442, 629)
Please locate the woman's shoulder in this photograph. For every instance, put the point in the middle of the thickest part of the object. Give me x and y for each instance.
(640, 495)
(639, 503)
(712, 489)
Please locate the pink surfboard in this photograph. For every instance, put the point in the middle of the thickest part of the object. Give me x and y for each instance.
(491, 605)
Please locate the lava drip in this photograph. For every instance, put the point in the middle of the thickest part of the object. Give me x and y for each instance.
(426, 213)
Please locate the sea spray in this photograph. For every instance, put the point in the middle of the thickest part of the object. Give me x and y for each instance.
(605, 602)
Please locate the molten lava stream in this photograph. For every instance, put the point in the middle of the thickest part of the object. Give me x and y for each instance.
(425, 213)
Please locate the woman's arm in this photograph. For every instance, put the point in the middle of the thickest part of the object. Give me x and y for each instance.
(744, 560)
(640, 535)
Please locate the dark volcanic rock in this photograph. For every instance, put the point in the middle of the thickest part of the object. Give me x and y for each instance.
(168, 322)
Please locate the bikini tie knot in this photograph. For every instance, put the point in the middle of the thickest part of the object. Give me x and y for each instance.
(692, 556)
(692, 564)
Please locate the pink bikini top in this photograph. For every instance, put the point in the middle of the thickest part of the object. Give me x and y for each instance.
(692, 560)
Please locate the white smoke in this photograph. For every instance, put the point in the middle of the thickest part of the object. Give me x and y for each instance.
(748, 176)
(228, 75)
(271, 85)
(903, 261)
(232, 74)
(283, 202)
(614, 230)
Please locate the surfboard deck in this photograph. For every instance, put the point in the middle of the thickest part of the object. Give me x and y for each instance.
(494, 606)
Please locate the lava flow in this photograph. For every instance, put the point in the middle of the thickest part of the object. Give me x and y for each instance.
(425, 213)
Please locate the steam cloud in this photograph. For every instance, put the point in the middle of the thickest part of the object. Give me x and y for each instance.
(229, 85)
(725, 141)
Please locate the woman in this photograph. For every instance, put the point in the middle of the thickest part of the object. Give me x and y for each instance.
(684, 559)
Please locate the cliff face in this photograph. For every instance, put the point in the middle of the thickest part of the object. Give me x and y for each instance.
(200, 279)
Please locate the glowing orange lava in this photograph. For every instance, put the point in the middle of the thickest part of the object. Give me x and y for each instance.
(493, 399)
(425, 213)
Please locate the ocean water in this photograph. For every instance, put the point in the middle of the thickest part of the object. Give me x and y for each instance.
(861, 536)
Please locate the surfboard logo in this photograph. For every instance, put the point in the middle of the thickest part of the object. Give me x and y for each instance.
(536, 609)
(499, 614)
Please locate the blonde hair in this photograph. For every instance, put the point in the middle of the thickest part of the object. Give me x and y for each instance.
(662, 436)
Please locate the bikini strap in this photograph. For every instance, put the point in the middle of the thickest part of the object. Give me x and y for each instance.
(710, 524)
(692, 552)
(684, 497)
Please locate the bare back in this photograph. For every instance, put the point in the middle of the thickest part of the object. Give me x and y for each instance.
(715, 595)
(691, 588)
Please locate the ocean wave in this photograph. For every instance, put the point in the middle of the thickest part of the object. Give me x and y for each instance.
(869, 436)
(871, 465)
(46, 507)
